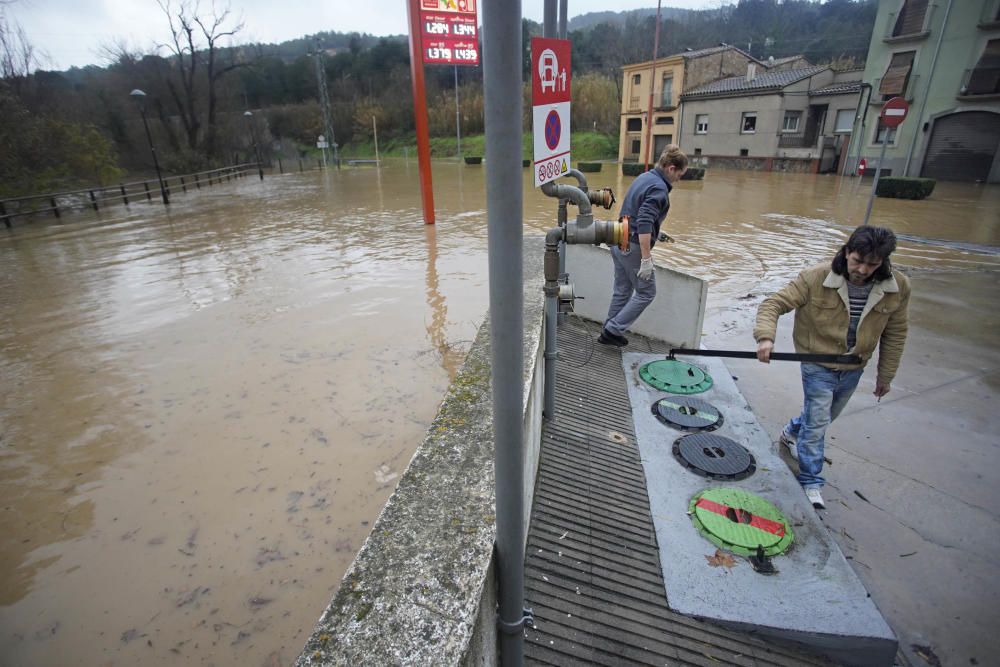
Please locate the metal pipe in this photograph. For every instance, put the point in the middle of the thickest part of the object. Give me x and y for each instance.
(549, 19)
(923, 102)
(574, 194)
(504, 206)
(562, 18)
(553, 271)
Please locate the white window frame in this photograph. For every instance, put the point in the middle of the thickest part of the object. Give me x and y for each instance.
(699, 127)
(891, 134)
(667, 91)
(840, 129)
(747, 115)
(790, 114)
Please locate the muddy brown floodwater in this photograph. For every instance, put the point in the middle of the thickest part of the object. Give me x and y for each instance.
(204, 410)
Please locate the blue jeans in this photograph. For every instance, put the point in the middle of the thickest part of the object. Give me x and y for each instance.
(631, 294)
(826, 393)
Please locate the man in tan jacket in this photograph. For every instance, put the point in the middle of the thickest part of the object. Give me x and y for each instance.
(850, 306)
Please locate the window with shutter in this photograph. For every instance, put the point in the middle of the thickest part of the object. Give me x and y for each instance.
(911, 18)
(897, 74)
(985, 78)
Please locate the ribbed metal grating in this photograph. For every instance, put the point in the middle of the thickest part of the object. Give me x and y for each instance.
(592, 568)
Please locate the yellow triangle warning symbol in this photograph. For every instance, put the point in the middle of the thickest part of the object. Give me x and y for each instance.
(565, 167)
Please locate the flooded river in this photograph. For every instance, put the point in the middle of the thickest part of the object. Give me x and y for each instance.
(204, 410)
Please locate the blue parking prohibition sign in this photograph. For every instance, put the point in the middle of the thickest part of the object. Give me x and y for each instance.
(553, 129)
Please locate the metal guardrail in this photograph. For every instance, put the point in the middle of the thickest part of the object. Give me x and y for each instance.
(113, 194)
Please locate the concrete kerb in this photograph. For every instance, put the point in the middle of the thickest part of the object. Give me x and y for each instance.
(422, 590)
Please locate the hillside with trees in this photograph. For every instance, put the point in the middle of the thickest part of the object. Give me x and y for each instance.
(80, 125)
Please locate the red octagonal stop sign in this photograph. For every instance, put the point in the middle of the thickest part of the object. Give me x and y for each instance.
(894, 112)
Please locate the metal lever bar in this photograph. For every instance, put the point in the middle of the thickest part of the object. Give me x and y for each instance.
(775, 356)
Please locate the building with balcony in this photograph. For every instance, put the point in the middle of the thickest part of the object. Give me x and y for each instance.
(669, 77)
(786, 119)
(943, 57)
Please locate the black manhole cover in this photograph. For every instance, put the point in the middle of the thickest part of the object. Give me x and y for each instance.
(714, 456)
(688, 414)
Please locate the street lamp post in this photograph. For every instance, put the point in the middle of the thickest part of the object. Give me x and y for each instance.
(140, 98)
(256, 148)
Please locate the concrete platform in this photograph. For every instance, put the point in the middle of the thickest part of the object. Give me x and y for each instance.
(815, 599)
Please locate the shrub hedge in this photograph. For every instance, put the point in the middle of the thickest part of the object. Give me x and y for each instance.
(903, 187)
(473, 159)
(632, 168)
(588, 167)
(693, 174)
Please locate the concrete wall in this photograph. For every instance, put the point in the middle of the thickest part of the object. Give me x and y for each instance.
(675, 316)
(725, 121)
(936, 91)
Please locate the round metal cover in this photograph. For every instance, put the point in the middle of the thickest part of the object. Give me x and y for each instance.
(675, 376)
(714, 456)
(688, 414)
(740, 522)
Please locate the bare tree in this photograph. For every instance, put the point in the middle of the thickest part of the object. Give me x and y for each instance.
(17, 55)
(195, 41)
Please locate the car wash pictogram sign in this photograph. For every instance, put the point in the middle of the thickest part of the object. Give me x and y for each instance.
(550, 103)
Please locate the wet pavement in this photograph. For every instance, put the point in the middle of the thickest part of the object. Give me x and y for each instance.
(203, 411)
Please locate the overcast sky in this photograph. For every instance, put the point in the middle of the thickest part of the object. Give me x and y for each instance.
(71, 32)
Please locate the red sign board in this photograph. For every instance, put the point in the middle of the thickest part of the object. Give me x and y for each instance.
(550, 70)
(894, 112)
(449, 31)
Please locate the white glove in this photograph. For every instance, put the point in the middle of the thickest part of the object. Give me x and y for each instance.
(646, 268)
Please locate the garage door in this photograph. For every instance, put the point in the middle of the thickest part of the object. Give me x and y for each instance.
(963, 146)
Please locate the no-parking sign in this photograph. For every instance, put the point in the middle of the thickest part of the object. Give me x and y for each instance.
(550, 100)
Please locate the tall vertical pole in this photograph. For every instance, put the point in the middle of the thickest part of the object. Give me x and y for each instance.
(652, 85)
(156, 162)
(324, 100)
(878, 170)
(420, 111)
(502, 65)
(562, 18)
(375, 134)
(549, 18)
(458, 120)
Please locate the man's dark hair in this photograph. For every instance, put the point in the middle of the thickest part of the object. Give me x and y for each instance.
(868, 241)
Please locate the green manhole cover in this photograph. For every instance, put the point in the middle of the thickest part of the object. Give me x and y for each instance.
(740, 522)
(675, 376)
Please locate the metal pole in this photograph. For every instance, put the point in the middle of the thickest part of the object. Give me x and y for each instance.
(562, 18)
(927, 94)
(375, 134)
(256, 145)
(878, 170)
(549, 19)
(324, 98)
(504, 204)
(420, 111)
(458, 121)
(861, 132)
(652, 85)
(156, 163)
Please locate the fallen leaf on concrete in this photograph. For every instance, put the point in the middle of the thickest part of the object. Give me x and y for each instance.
(927, 654)
(859, 495)
(721, 559)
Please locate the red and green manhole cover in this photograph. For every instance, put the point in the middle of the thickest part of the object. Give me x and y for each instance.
(740, 522)
(675, 376)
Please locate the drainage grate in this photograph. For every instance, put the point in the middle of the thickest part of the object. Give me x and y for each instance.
(687, 414)
(675, 376)
(714, 457)
(740, 522)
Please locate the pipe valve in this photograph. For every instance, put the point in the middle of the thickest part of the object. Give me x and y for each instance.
(605, 198)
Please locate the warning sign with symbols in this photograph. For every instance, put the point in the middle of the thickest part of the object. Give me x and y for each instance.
(550, 100)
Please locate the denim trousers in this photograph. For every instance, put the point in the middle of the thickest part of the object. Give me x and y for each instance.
(631, 294)
(826, 393)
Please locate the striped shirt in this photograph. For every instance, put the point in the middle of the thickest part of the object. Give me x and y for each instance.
(858, 297)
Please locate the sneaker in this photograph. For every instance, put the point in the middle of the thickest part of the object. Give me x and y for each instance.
(789, 441)
(815, 497)
(608, 338)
